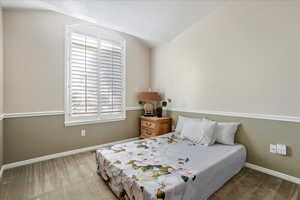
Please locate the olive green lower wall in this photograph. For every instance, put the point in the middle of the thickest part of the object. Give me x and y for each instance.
(30, 137)
(257, 135)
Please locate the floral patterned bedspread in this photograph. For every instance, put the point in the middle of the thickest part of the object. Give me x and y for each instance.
(155, 168)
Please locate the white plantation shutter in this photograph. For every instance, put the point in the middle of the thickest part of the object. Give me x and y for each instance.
(84, 75)
(111, 84)
(95, 88)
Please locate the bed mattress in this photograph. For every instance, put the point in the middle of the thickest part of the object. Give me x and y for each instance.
(168, 167)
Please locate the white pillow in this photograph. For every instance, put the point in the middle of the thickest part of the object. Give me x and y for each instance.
(182, 120)
(225, 132)
(200, 132)
(214, 136)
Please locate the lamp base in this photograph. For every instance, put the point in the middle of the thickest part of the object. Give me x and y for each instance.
(148, 115)
(148, 110)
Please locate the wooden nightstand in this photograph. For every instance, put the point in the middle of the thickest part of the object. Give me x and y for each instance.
(154, 126)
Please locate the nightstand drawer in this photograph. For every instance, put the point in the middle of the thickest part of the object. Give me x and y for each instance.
(148, 124)
(146, 132)
(154, 126)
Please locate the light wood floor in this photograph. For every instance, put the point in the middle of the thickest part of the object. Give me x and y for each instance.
(75, 178)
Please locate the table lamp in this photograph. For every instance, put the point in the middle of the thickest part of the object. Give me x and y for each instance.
(149, 99)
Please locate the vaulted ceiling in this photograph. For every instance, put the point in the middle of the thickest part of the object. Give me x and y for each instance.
(154, 21)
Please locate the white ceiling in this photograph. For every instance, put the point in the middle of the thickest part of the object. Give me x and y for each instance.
(155, 21)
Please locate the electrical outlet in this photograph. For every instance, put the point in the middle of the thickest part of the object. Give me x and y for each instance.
(281, 149)
(273, 148)
(83, 132)
(278, 149)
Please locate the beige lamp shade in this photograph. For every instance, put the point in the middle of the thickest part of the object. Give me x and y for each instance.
(149, 96)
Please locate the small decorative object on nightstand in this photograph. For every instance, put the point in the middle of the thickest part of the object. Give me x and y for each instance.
(161, 110)
(154, 126)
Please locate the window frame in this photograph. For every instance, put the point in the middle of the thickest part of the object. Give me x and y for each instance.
(100, 34)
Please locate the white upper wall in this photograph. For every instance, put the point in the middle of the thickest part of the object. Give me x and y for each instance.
(240, 58)
(34, 61)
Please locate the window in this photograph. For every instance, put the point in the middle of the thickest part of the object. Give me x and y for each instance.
(95, 76)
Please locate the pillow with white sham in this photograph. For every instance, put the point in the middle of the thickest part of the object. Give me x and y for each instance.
(225, 132)
(199, 132)
(214, 134)
(182, 120)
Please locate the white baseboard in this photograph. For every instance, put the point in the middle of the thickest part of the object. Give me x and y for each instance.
(273, 173)
(62, 154)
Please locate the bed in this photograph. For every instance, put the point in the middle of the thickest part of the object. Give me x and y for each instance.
(168, 167)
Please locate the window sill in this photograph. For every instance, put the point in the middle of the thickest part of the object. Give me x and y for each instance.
(83, 122)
